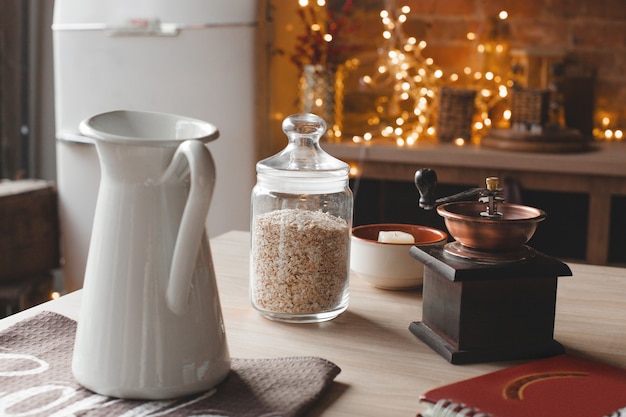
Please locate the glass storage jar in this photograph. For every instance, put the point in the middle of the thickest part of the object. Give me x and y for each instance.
(300, 229)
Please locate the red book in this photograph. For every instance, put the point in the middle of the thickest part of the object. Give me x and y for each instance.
(562, 385)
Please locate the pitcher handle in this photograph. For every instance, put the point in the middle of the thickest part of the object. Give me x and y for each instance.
(194, 155)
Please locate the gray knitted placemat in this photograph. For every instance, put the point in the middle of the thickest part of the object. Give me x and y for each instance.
(36, 380)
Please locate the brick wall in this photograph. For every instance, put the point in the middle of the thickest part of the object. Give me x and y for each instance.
(591, 34)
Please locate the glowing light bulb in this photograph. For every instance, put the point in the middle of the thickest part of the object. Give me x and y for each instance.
(373, 121)
(503, 15)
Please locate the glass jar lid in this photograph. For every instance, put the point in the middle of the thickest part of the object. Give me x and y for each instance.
(303, 166)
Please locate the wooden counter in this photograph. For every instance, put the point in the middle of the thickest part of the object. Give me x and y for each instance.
(600, 173)
(384, 368)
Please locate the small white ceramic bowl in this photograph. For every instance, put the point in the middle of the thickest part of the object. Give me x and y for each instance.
(389, 265)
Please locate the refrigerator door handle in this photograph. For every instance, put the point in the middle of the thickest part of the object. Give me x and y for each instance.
(73, 137)
(145, 27)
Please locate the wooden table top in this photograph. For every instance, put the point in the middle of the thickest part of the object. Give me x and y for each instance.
(384, 367)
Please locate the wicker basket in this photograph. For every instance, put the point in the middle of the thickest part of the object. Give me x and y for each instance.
(530, 107)
(456, 110)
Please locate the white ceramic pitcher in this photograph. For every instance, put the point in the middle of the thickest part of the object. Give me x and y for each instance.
(151, 324)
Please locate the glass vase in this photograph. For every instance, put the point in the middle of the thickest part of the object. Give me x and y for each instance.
(321, 93)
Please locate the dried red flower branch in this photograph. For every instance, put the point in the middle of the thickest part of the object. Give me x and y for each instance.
(312, 47)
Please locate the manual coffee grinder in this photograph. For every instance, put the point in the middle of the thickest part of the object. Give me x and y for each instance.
(487, 296)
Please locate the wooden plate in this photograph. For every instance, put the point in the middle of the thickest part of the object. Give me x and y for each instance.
(565, 140)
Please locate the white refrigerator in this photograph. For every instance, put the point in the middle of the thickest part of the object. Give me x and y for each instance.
(191, 57)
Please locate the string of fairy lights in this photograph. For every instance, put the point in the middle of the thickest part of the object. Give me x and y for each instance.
(407, 112)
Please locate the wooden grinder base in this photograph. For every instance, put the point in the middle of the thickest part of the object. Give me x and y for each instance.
(475, 312)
